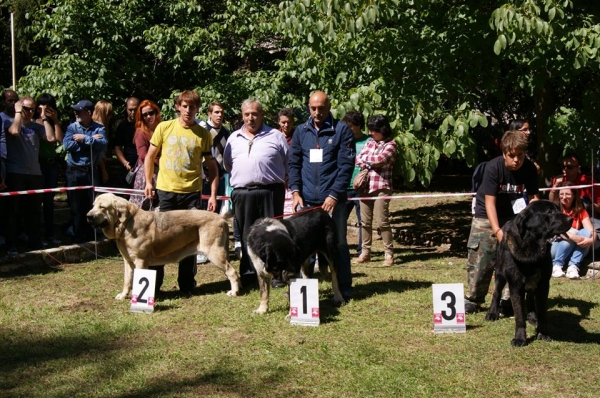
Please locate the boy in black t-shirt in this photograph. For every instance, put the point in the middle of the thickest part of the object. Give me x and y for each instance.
(499, 198)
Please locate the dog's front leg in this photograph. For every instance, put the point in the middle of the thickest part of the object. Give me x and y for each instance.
(127, 280)
(541, 297)
(517, 297)
(264, 283)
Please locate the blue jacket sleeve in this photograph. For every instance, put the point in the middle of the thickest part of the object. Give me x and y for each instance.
(68, 142)
(346, 157)
(295, 161)
(97, 144)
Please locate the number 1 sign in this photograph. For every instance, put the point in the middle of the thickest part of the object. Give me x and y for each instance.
(142, 292)
(304, 302)
(449, 308)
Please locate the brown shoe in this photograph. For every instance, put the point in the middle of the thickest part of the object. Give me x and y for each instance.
(388, 261)
(363, 258)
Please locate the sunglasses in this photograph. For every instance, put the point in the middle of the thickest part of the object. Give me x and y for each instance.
(28, 109)
(151, 113)
(569, 167)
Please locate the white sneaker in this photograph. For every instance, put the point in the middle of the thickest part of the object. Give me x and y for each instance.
(557, 271)
(572, 272)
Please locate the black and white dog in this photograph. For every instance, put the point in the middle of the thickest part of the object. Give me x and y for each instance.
(283, 248)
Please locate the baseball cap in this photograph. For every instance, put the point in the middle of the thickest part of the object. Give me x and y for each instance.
(83, 105)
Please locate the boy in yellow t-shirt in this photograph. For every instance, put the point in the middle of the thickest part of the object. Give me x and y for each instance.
(183, 144)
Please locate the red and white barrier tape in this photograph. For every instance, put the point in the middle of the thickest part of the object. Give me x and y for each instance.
(139, 192)
(127, 191)
(46, 190)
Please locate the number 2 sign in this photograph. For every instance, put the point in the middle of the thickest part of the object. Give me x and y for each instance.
(304, 302)
(142, 292)
(449, 308)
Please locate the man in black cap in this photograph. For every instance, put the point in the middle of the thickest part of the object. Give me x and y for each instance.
(84, 141)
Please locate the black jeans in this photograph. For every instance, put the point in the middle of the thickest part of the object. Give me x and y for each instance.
(187, 267)
(250, 204)
(29, 206)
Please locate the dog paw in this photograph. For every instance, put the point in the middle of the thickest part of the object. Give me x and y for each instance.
(232, 293)
(492, 316)
(288, 317)
(543, 337)
(121, 296)
(339, 302)
(532, 318)
(518, 343)
(260, 311)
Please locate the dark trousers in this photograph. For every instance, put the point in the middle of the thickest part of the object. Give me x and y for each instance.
(187, 267)
(49, 180)
(28, 206)
(250, 204)
(80, 202)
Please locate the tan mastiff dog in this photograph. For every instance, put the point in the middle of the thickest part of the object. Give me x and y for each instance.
(147, 238)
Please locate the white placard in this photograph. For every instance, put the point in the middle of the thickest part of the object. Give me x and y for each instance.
(449, 308)
(142, 292)
(304, 302)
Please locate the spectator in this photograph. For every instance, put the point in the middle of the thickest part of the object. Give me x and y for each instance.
(571, 167)
(219, 134)
(147, 117)
(356, 121)
(50, 158)
(256, 157)
(287, 121)
(499, 198)
(320, 167)
(124, 146)
(182, 144)
(7, 115)
(378, 156)
(581, 235)
(103, 113)
(523, 126)
(84, 142)
(23, 173)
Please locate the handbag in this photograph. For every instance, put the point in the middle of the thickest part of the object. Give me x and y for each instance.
(361, 181)
(130, 177)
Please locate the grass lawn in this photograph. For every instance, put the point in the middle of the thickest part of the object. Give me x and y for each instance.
(63, 334)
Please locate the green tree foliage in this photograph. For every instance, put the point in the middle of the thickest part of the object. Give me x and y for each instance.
(443, 71)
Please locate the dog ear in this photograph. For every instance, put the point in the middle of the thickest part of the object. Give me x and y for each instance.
(125, 210)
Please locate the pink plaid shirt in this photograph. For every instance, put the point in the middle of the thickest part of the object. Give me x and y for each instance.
(381, 156)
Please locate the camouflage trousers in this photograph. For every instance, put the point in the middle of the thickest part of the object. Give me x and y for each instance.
(481, 260)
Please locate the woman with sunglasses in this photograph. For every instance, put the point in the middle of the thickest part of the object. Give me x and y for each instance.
(581, 235)
(147, 117)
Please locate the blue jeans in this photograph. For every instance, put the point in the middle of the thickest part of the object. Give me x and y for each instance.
(345, 270)
(562, 250)
(355, 204)
(80, 202)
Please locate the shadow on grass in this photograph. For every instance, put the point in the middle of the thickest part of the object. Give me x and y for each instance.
(26, 361)
(381, 287)
(566, 326)
(30, 271)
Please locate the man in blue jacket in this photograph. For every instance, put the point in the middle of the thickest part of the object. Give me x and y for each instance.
(321, 161)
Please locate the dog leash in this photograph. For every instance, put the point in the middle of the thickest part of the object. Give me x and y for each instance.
(298, 212)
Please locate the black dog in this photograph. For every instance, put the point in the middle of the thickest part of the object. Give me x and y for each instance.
(523, 260)
(282, 248)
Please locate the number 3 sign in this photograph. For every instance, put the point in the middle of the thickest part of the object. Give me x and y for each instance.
(449, 308)
(142, 292)
(304, 302)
